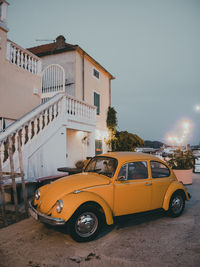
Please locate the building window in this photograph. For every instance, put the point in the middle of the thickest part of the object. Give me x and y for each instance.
(96, 73)
(97, 102)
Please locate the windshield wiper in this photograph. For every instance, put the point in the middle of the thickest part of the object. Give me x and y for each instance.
(97, 170)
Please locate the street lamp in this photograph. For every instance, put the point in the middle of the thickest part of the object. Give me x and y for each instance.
(186, 130)
(174, 140)
(183, 138)
(186, 125)
(197, 107)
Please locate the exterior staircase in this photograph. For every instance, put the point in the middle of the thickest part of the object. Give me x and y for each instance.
(42, 134)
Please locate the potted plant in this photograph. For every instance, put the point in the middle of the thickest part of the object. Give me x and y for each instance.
(182, 163)
(79, 164)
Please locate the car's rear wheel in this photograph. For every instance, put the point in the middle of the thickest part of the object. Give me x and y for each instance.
(85, 224)
(177, 204)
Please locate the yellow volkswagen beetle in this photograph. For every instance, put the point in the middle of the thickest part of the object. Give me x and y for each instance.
(112, 184)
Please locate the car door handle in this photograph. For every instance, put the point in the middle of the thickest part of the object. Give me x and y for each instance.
(147, 184)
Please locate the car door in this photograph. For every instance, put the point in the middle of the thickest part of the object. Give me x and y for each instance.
(132, 189)
(161, 180)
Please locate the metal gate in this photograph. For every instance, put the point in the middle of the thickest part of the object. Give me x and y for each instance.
(53, 81)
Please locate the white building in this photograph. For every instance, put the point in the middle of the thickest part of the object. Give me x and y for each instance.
(20, 76)
(75, 92)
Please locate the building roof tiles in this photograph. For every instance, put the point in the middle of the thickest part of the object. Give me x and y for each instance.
(60, 46)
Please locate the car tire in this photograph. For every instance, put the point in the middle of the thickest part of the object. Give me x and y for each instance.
(176, 205)
(85, 224)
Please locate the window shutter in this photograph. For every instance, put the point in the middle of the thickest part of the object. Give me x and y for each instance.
(97, 102)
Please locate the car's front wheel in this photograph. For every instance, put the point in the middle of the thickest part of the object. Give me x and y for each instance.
(85, 224)
(176, 205)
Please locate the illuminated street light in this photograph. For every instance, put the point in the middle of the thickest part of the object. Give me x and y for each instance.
(186, 125)
(183, 138)
(174, 140)
(197, 108)
(170, 138)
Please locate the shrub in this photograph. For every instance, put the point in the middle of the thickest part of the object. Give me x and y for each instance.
(125, 141)
(181, 160)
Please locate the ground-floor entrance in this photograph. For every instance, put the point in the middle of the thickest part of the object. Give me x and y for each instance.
(79, 146)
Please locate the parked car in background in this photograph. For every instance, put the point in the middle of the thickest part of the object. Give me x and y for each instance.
(112, 184)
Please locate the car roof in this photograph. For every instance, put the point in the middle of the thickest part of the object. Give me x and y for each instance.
(126, 156)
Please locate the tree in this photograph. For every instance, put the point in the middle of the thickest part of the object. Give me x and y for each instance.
(125, 141)
(111, 125)
(120, 141)
(111, 119)
(153, 144)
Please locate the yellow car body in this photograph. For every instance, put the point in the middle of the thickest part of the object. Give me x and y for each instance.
(113, 194)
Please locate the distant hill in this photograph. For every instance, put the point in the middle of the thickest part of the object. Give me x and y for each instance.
(153, 144)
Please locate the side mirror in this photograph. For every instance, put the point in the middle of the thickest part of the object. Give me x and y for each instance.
(121, 178)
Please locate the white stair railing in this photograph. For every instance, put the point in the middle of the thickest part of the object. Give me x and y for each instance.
(23, 58)
(30, 125)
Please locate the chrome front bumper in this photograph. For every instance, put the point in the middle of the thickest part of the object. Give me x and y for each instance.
(44, 218)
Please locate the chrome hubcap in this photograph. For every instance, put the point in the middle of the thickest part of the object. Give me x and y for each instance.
(177, 204)
(86, 224)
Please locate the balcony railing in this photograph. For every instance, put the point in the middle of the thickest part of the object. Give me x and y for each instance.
(23, 58)
(78, 110)
(30, 125)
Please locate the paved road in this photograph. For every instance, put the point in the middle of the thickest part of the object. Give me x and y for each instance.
(148, 240)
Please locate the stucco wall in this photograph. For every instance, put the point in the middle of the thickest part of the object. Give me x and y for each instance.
(78, 77)
(91, 85)
(67, 61)
(72, 64)
(16, 86)
(74, 139)
(49, 156)
(75, 147)
(100, 86)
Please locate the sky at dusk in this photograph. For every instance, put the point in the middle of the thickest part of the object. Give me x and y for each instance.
(152, 47)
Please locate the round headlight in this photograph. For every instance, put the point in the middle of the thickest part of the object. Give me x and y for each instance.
(37, 194)
(59, 205)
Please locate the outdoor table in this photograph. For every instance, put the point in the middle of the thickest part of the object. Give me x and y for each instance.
(69, 170)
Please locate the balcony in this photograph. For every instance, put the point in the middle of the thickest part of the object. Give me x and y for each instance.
(23, 58)
(79, 111)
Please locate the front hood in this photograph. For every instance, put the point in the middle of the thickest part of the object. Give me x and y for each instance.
(56, 190)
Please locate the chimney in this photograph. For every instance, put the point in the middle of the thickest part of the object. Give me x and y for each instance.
(60, 42)
(3, 14)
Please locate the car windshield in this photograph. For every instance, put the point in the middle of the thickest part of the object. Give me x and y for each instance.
(102, 165)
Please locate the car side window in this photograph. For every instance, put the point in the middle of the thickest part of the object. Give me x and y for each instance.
(123, 172)
(134, 170)
(159, 170)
